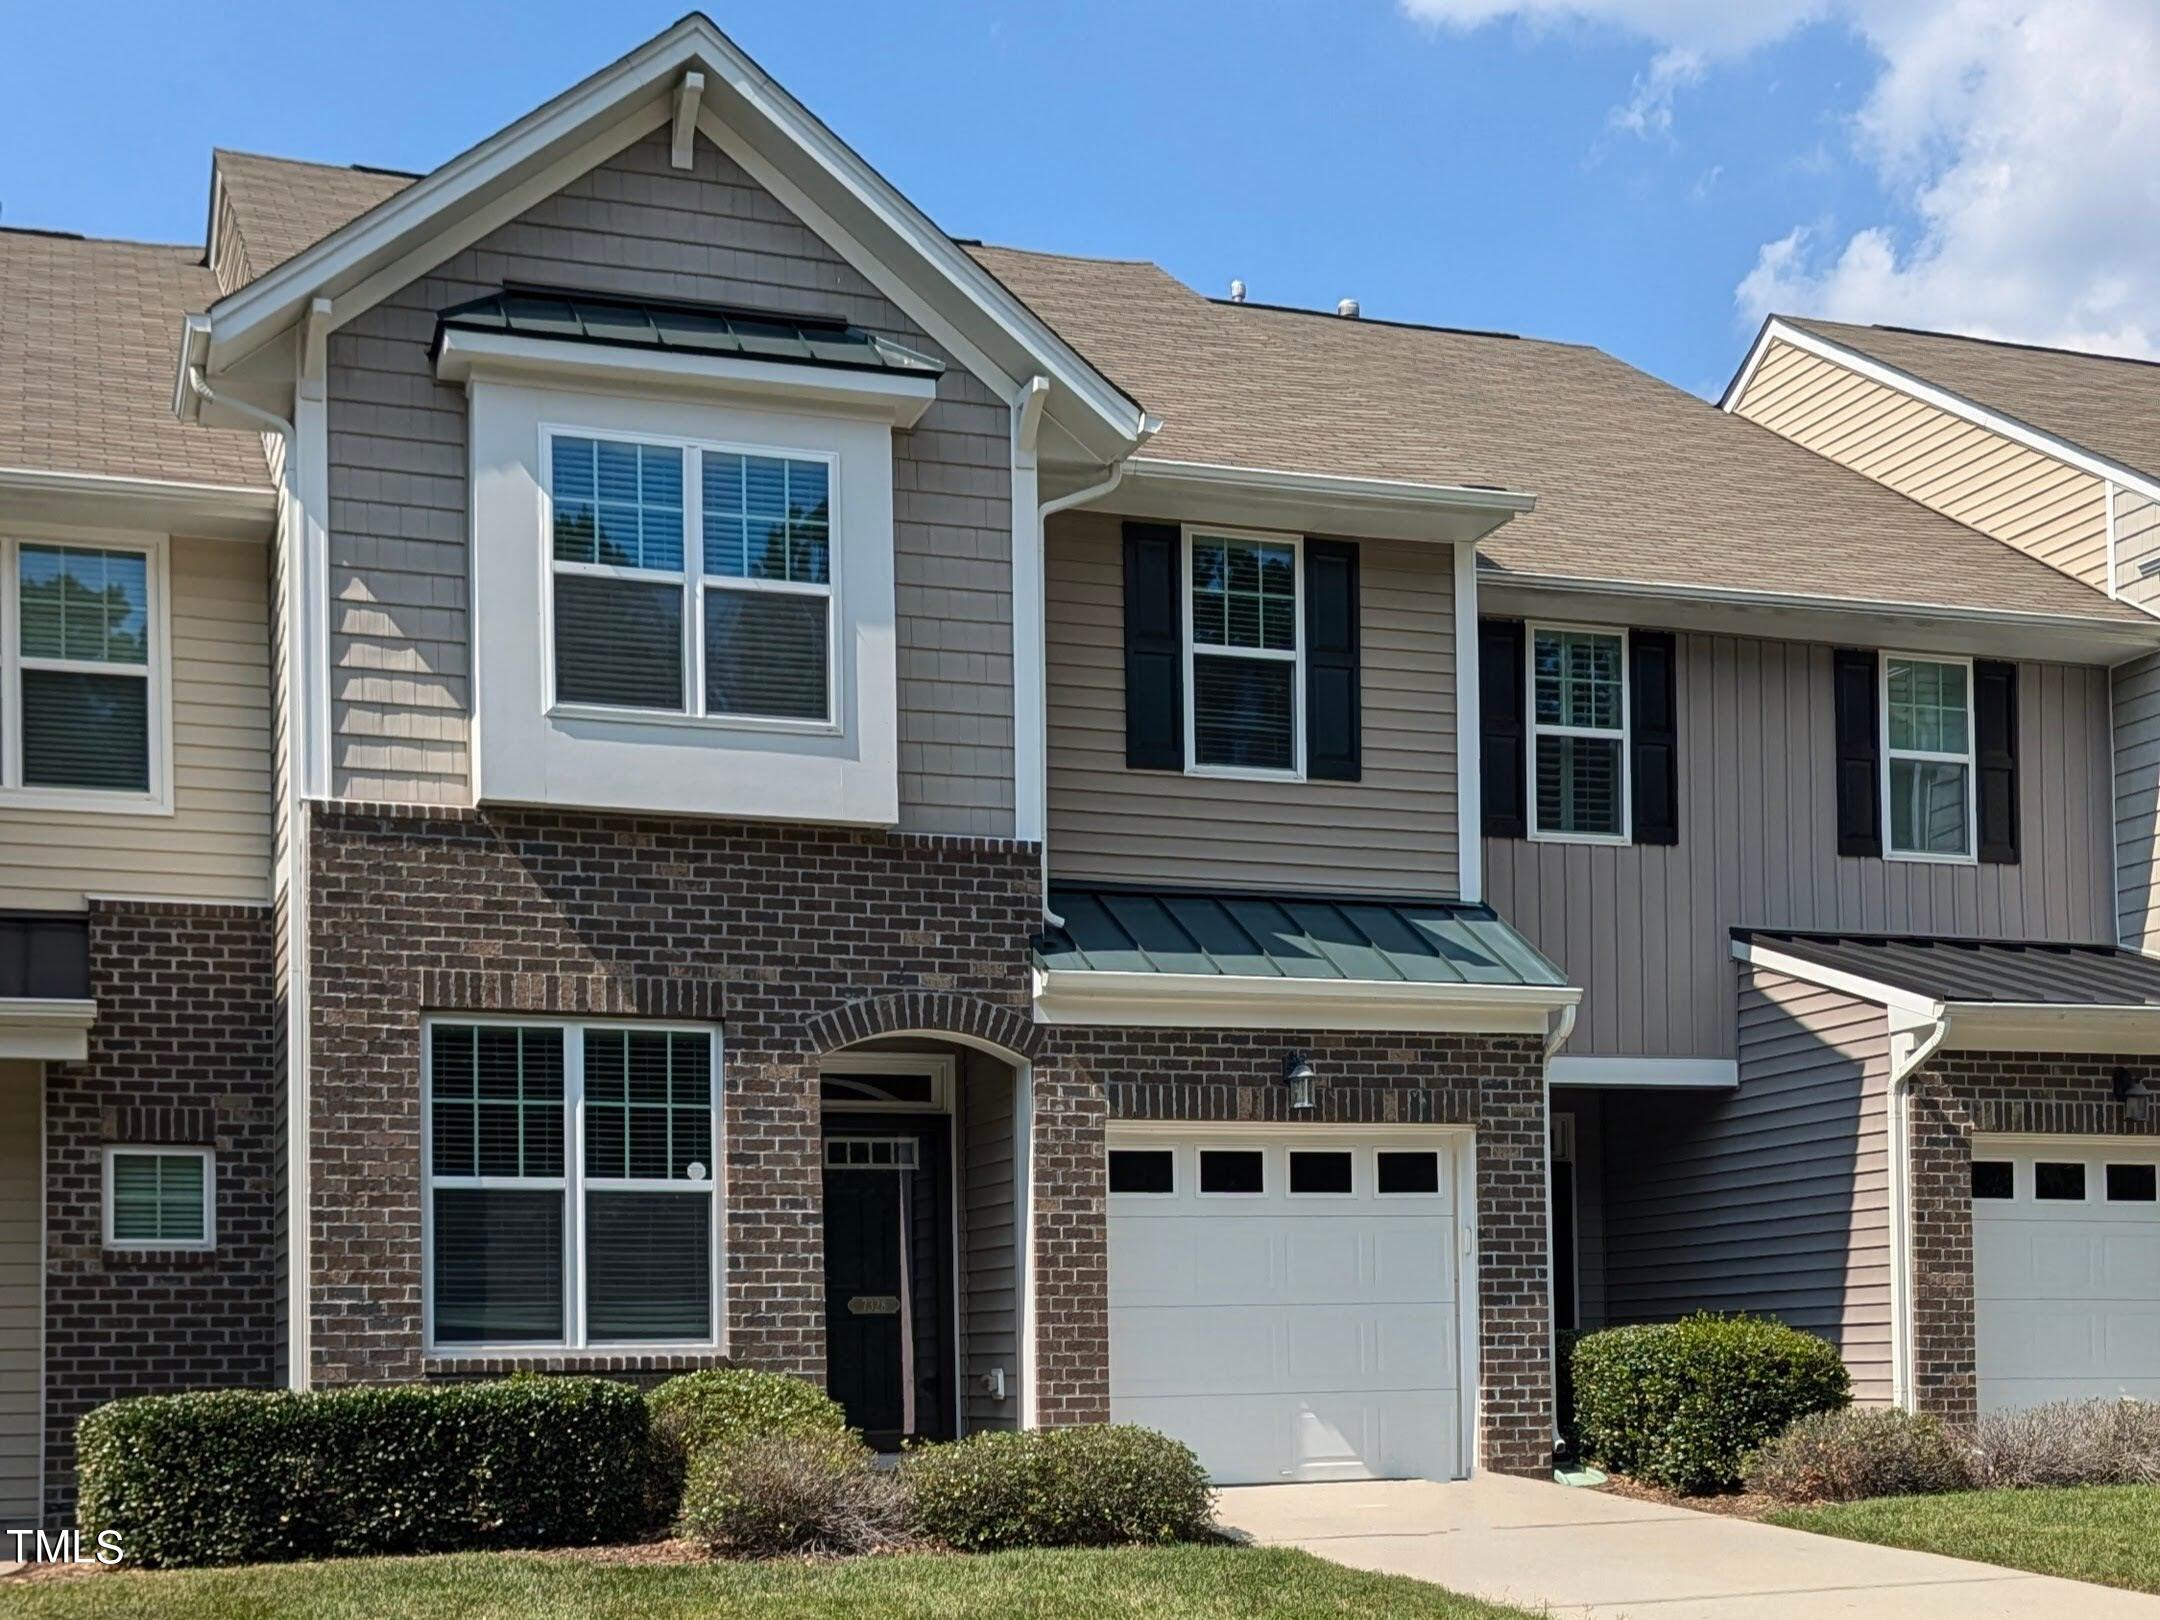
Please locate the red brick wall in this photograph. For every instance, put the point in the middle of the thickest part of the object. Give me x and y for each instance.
(180, 1054)
(1958, 1095)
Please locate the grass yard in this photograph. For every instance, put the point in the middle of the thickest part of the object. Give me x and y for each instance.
(2101, 1533)
(1168, 1583)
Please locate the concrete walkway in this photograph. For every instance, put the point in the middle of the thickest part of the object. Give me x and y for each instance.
(1584, 1555)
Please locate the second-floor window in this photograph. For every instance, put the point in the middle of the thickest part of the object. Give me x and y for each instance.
(1244, 665)
(691, 579)
(82, 674)
(1928, 757)
(1579, 732)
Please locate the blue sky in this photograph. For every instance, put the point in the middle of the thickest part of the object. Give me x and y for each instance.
(1475, 177)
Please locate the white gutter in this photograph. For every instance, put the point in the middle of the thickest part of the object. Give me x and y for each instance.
(1563, 1027)
(1218, 1000)
(1335, 486)
(1910, 1048)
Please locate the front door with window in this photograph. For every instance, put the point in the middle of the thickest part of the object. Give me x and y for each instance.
(888, 1276)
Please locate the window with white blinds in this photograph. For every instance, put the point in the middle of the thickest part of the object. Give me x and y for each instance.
(572, 1185)
(1245, 687)
(160, 1198)
(1579, 730)
(692, 579)
(82, 721)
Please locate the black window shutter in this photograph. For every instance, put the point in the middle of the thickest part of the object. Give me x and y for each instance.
(1333, 721)
(1995, 726)
(1503, 724)
(1154, 650)
(1856, 689)
(1654, 736)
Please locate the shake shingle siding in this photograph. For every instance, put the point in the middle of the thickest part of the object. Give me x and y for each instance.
(401, 668)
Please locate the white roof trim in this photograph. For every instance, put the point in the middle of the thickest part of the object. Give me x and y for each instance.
(649, 74)
(160, 505)
(897, 398)
(1342, 487)
(1223, 1001)
(1772, 960)
(53, 1031)
(1645, 1073)
(1777, 329)
(1309, 502)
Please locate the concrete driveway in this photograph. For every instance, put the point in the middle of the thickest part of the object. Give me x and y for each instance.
(1583, 1555)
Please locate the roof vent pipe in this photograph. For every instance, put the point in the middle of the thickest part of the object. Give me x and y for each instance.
(1237, 292)
(1347, 308)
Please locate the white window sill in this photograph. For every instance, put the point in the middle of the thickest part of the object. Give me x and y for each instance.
(1922, 858)
(1615, 840)
(1241, 773)
(525, 1350)
(748, 725)
(159, 1248)
(86, 801)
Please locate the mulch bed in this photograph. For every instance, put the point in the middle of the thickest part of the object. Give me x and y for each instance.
(1731, 1504)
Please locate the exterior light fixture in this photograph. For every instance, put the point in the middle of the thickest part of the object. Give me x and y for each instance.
(1297, 1074)
(2135, 1096)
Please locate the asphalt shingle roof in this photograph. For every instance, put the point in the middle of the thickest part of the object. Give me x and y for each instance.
(281, 206)
(2105, 405)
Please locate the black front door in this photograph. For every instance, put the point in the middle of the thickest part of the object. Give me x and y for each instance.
(888, 1284)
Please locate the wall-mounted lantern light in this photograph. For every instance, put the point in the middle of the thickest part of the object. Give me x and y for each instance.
(1297, 1073)
(2134, 1095)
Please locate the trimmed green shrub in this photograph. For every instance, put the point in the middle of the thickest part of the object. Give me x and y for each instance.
(770, 1494)
(246, 1476)
(1860, 1452)
(720, 1404)
(1097, 1485)
(1682, 1404)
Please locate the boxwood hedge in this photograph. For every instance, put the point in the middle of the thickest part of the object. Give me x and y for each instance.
(1093, 1485)
(246, 1476)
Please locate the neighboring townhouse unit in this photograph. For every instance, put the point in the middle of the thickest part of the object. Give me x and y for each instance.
(622, 754)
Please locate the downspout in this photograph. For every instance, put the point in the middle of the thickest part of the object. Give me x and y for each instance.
(1918, 1044)
(1046, 511)
(1556, 1038)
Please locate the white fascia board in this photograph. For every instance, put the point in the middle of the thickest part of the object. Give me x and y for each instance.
(1772, 960)
(157, 505)
(1221, 1001)
(1645, 1074)
(895, 398)
(1278, 498)
(51, 1031)
(1469, 727)
(1778, 330)
(2008, 1026)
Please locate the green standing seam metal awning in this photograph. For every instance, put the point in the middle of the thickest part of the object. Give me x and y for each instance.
(1114, 929)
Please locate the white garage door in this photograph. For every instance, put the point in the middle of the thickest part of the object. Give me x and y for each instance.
(1287, 1304)
(2066, 1270)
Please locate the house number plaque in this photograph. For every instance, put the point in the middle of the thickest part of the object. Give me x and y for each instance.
(874, 1305)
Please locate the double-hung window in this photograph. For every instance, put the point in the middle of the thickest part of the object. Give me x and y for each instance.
(691, 579)
(1928, 776)
(573, 1194)
(82, 718)
(1579, 730)
(1243, 660)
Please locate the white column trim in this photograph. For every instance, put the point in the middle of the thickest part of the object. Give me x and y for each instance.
(1469, 787)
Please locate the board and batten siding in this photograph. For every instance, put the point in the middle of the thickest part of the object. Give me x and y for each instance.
(1644, 929)
(989, 1244)
(636, 226)
(22, 1367)
(2137, 801)
(1773, 1198)
(1393, 832)
(2044, 507)
(216, 843)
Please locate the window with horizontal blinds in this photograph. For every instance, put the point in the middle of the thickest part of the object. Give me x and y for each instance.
(692, 579)
(84, 672)
(157, 1199)
(1243, 619)
(1579, 732)
(566, 1162)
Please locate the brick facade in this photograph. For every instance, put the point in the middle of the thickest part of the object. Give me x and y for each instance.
(180, 1055)
(1959, 1095)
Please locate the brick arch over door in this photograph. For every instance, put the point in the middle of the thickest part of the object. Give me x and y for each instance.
(925, 1012)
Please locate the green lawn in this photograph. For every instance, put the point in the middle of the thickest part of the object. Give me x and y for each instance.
(2101, 1533)
(1173, 1583)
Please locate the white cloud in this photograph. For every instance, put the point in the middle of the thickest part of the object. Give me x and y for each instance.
(1649, 110)
(2020, 137)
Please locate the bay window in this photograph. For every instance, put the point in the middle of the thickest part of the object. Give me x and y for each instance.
(1242, 648)
(573, 1185)
(1579, 732)
(1928, 772)
(691, 579)
(82, 723)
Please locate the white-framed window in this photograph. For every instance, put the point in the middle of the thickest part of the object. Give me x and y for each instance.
(1929, 783)
(573, 1194)
(1244, 653)
(84, 711)
(690, 578)
(160, 1197)
(887, 1083)
(1578, 733)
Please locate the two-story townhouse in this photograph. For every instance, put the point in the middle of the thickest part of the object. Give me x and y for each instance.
(2031, 1264)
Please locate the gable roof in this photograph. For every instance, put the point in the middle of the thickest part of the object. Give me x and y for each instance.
(86, 345)
(2104, 404)
(1637, 483)
(280, 207)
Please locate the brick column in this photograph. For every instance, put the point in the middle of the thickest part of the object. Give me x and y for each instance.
(1514, 1303)
(1071, 1322)
(1945, 1378)
(775, 1290)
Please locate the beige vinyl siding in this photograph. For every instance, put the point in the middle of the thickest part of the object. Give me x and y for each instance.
(2137, 801)
(989, 1245)
(22, 1380)
(1644, 929)
(2044, 507)
(401, 675)
(216, 844)
(1770, 1199)
(1392, 832)
(2137, 549)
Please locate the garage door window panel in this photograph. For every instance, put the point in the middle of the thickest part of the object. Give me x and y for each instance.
(1233, 1172)
(1322, 1174)
(2132, 1183)
(1994, 1178)
(1143, 1172)
(2057, 1182)
(1407, 1175)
